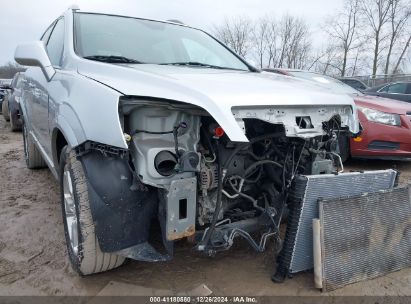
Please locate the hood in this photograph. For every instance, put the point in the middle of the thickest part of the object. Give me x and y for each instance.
(383, 104)
(216, 91)
(226, 87)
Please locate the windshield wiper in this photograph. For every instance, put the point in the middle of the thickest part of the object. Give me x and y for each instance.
(198, 64)
(111, 59)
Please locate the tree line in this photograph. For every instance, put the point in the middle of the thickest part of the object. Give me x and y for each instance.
(363, 37)
(8, 70)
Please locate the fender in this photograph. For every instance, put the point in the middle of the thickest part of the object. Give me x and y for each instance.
(73, 139)
(63, 126)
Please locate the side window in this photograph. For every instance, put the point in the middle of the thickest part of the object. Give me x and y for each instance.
(55, 44)
(47, 33)
(398, 88)
(384, 89)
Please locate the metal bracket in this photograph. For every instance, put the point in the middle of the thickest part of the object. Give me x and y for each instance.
(181, 208)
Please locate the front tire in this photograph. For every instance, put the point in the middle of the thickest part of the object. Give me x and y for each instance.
(83, 248)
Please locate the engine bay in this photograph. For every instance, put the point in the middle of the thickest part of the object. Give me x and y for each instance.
(214, 190)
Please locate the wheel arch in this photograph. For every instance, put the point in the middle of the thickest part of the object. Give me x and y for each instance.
(62, 135)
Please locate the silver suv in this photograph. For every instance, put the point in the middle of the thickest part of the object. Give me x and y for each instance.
(157, 131)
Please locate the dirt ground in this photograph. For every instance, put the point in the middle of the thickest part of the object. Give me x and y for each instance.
(33, 257)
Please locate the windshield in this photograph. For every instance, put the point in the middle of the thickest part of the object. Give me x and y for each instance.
(129, 40)
(326, 81)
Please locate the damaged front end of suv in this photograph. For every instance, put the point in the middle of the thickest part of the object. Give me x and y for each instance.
(182, 172)
(158, 132)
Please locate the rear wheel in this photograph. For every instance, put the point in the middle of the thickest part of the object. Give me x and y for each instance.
(32, 155)
(5, 109)
(83, 248)
(14, 126)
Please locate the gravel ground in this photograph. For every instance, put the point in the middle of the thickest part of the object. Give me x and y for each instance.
(33, 257)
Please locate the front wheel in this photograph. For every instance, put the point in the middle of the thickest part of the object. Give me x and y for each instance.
(84, 251)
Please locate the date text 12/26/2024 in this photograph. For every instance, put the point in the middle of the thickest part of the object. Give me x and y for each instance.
(203, 299)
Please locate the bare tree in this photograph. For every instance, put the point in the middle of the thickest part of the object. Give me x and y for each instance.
(294, 42)
(342, 27)
(365, 35)
(327, 61)
(404, 51)
(261, 39)
(236, 33)
(399, 16)
(376, 13)
(272, 47)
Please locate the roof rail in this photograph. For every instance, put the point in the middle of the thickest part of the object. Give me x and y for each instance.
(74, 7)
(176, 21)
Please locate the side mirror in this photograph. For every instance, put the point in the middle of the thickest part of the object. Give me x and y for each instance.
(34, 54)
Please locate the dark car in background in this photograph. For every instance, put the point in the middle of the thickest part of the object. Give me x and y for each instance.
(354, 83)
(3, 94)
(12, 110)
(5, 86)
(386, 122)
(395, 90)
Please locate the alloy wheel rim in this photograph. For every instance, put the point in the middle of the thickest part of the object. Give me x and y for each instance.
(70, 211)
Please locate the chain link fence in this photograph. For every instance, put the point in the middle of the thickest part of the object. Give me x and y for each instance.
(376, 80)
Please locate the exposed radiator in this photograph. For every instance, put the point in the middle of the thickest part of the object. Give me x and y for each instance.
(297, 252)
(364, 237)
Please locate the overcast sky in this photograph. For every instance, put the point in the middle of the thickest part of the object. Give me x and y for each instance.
(26, 20)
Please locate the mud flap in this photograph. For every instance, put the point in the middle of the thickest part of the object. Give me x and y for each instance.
(122, 212)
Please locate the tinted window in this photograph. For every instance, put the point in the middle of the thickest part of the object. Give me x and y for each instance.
(398, 88)
(354, 83)
(56, 43)
(47, 33)
(384, 89)
(357, 85)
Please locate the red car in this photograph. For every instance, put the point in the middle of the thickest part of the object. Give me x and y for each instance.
(386, 122)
